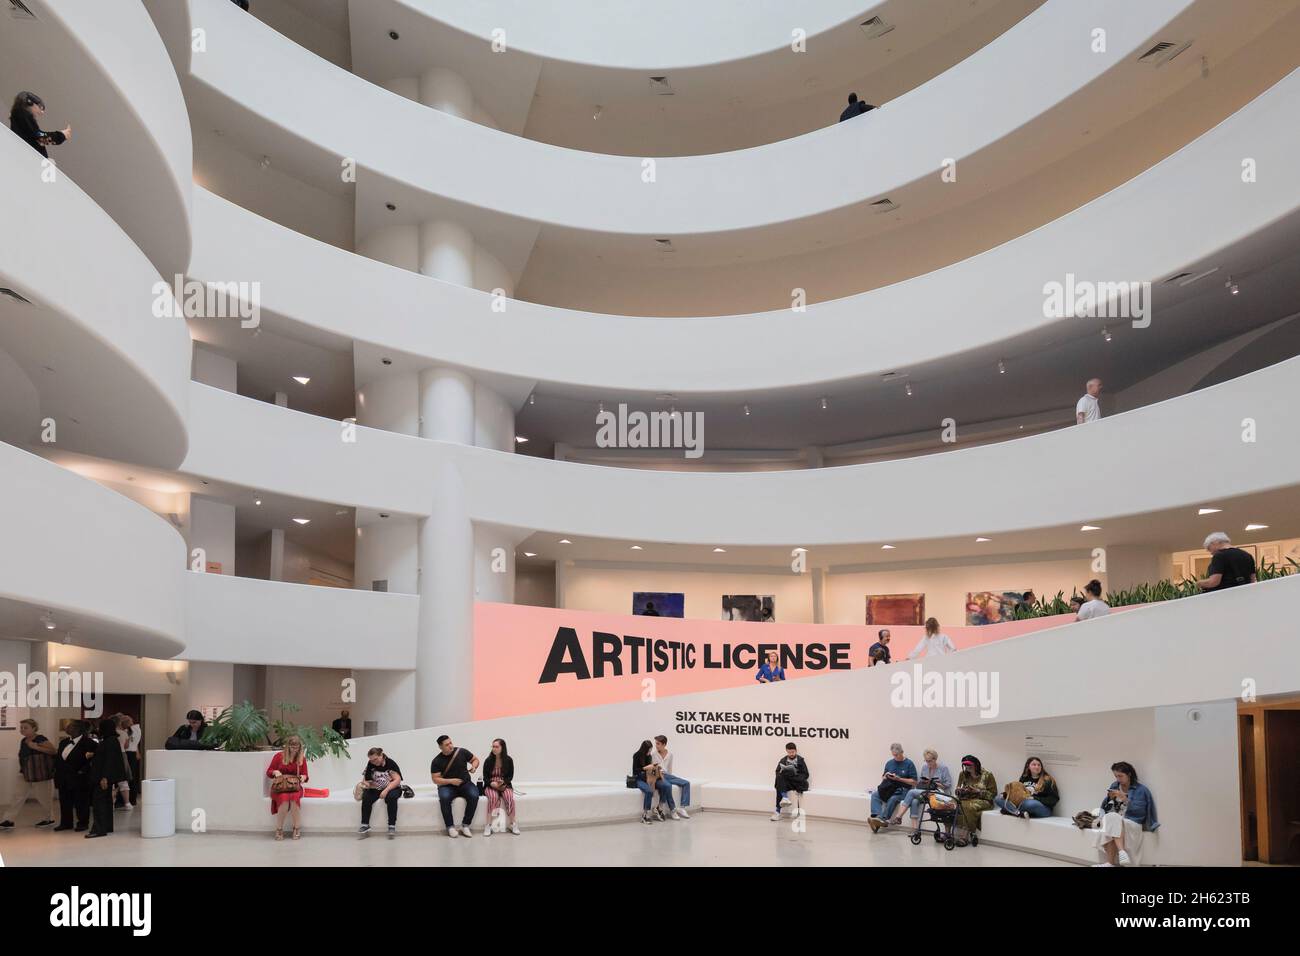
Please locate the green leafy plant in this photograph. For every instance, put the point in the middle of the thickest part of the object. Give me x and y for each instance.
(238, 729)
(317, 742)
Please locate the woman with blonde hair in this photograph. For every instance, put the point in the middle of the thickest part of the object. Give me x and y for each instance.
(288, 772)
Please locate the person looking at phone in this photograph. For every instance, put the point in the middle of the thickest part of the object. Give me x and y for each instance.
(383, 781)
(898, 777)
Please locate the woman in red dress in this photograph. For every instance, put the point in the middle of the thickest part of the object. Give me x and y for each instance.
(289, 762)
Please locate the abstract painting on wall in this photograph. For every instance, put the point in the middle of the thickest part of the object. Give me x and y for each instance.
(895, 609)
(749, 607)
(658, 604)
(992, 607)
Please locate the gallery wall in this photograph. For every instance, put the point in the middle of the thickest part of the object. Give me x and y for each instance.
(607, 589)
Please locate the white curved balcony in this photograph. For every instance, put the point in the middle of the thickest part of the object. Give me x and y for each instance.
(85, 348)
(103, 69)
(981, 112)
(1184, 211)
(107, 569)
(1100, 473)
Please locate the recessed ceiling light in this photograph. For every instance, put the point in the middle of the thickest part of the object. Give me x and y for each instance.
(1090, 527)
(637, 547)
(887, 547)
(391, 207)
(258, 502)
(982, 540)
(393, 35)
(301, 379)
(824, 404)
(565, 541)
(908, 390)
(520, 440)
(530, 554)
(1256, 527)
(1106, 334)
(746, 411)
(1209, 511)
(1002, 367)
(532, 399)
(719, 550)
(302, 520)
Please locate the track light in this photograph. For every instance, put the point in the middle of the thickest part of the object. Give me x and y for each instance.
(532, 399)
(1231, 286)
(1002, 367)
(825, 404)
(908, 389)
(1106, 334)
(746, 411)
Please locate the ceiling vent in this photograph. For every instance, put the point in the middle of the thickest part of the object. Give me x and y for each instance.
(11, 294)
(1163, 52)
(664, 245)
(1187, 279)
(883, 205)
(875, 28)
(1181, 275)
(20, 11)
(659, 86)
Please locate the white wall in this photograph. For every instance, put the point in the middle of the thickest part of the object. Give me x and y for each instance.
(316, 690)
(610, 590)
(388, 551)
(945, 588)
(212, 527)
(215, 369)
(249, 621)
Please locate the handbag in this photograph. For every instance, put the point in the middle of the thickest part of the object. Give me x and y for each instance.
(1015, 794)
(407, 792)
(1085, 820)
(288, 783)
(631, 782)
(359, 790)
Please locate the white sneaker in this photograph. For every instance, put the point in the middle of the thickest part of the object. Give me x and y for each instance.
(1095, 865)
(1124, 858)
(676, 815)
(659, 813)
(776, 816)
(453, 832)
(487, 830)
(465, 830)
(785, 801)
(514, 828)
(682, 812)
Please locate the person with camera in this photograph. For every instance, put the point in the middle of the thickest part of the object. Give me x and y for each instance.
(933, 777)
(1127, 812)
(898, 777)
(976, 789)
(792, 776)
(382, 779)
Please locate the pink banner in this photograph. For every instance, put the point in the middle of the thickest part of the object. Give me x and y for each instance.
(531, 659)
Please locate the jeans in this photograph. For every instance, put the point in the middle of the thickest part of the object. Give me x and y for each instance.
(448, 793)
(370, 796)
(648, 792)
(884, 809)
(1028, 808)
(678, 782)
(782, 794)
(914, 800)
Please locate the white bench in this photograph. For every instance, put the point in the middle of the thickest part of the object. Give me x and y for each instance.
(846, 805)
(1054, 836)
(536, 804)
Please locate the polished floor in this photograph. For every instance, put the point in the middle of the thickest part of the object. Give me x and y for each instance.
(712, 838)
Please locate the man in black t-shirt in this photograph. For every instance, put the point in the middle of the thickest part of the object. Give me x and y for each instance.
(343, 725)
(1229, 566)
(383, 780)
(451, 770)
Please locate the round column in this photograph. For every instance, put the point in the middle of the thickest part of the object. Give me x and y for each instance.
(444, 656)
(448, 91)
(447, 252)
(447, 405)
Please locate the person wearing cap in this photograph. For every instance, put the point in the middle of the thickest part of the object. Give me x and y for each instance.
(976, 789)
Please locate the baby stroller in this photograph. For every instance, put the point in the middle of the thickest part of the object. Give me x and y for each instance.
(941, 810)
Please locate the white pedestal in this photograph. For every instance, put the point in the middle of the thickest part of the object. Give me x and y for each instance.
(158, 807)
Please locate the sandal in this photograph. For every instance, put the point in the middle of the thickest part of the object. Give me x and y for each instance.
(279, 835)
(297, 834)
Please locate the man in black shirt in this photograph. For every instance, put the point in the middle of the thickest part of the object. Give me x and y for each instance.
(878, 653)
(451, 770)
(343, 725)
(1229, 566)
(856, 107)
